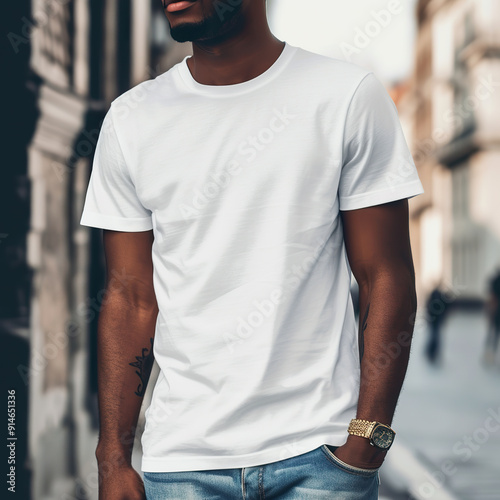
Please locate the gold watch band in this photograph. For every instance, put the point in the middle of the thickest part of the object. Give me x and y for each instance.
(362, 428)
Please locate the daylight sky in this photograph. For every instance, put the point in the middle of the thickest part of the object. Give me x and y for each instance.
(354, 30)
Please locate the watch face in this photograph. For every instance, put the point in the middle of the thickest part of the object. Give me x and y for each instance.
(382, 437)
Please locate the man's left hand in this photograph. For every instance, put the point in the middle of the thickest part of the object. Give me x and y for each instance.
(358, 452)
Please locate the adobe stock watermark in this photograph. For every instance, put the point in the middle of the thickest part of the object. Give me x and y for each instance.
(248, 150)
(84, 148)
(224, 7)
(263, 309)
(293, 448)
(457, 116)
(132, 98)
(115, 459)
(87, 140)
(58, 341)
(159, 414)
(41, 18)
(465, 448)
(364, 36)
(390, 351)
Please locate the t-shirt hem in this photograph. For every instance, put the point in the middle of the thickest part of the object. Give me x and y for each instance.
(393, 193)
(92, 219)
(176, 464)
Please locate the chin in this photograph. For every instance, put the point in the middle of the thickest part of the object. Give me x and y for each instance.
(185, 32)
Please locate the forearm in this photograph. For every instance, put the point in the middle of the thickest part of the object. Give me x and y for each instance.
(378, 247)
(387, 310)
(125, 359)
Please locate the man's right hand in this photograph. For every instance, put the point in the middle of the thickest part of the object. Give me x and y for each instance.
(120, 483)
(125, 334)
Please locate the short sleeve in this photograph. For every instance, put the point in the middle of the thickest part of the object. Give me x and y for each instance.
(111, 200)
(377, 166)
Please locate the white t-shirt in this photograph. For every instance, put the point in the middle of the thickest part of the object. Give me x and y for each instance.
(242, 185)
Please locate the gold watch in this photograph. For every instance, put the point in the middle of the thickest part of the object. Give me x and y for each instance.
(380, 435)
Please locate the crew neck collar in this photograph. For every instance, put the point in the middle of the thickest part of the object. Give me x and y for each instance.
(236, 88)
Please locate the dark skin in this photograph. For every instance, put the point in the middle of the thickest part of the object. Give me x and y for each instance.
(126, 329)
(378, 248)
(240, 54)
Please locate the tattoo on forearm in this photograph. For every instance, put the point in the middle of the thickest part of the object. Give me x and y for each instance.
(144, 364)
(362, 333)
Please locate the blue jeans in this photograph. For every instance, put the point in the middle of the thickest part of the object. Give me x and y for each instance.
(314, 475)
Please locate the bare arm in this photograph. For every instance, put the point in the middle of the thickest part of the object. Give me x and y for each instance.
(126, 329)
(378, 247)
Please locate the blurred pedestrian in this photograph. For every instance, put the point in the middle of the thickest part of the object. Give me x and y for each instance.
(493, 312)
(436, 307)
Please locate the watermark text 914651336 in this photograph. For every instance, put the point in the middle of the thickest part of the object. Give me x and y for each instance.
(11, 440)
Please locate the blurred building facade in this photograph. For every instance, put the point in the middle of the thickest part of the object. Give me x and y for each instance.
(451, 117)
(73, 57)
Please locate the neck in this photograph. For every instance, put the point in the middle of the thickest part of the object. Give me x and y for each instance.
(237, 58)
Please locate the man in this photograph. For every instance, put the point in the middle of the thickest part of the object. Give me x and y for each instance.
(437, 308)
(235, 199)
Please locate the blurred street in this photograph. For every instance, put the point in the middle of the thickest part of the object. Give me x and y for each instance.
(443, 411)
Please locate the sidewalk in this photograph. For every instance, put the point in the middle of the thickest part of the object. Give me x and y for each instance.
(448, 418)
